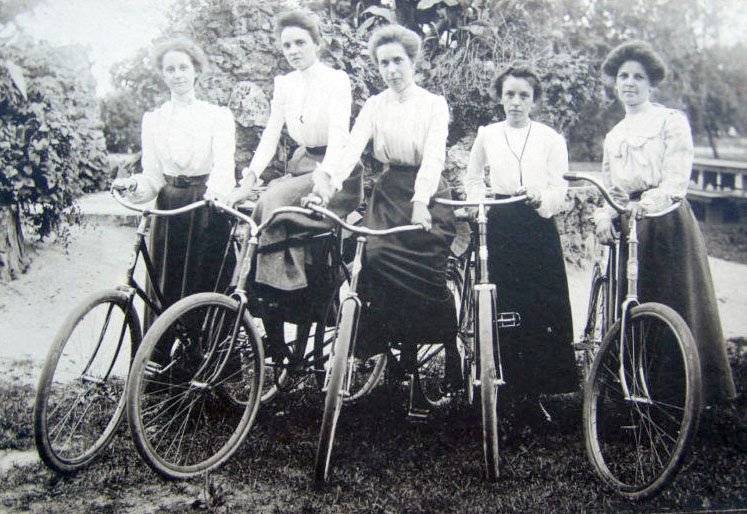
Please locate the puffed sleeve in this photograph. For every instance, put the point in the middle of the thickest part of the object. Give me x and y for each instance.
(222, 177)
(268, 142)
(676, 165)
(553, 195)
(474, 177)
(348, 157)
(434, 152)
(340, 98)
(605, 211)
(150, 182)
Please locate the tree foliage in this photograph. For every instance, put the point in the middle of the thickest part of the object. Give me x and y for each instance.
(51, 139)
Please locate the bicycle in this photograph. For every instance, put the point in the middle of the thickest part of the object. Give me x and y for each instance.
(479, 321)
(643, 393)
(198, 378)
(80, 396)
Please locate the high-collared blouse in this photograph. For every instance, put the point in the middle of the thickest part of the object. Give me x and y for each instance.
(407, 129)
(187, 139)
(651, 154)
(315, 105)
(537, 158)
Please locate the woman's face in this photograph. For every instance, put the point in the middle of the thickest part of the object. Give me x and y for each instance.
(395, 66)
(298, 47)
(178, 71)
(517, 98)
(632, 84)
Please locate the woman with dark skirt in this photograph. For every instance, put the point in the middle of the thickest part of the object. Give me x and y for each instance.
(648, 157)
(403, 283)
(187, 154)
(525, 255)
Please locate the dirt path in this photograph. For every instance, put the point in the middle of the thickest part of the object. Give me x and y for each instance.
(34, 306)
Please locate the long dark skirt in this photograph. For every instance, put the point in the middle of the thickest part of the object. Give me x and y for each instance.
(187, 250)
(673, 270)
(526, 263)
(404, 276)
(283, 267)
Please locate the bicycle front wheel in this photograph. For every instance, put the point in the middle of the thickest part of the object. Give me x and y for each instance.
(488, 339)
(195, 385)
(642, 401)
(339, 359)
(81, 393)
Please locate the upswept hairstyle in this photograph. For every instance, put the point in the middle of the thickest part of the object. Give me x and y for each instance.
(409, 40)
(520, 71)
(300, 19)
(180, 44)
(638, 51)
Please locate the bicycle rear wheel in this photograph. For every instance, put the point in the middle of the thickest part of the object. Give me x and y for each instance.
(81, 393)
(596, 321)
(642, 401)
(194, 389)
(432, 357)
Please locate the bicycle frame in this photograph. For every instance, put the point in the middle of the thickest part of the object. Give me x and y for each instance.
(617, 308)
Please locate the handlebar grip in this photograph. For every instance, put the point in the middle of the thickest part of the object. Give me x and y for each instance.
(571, 175)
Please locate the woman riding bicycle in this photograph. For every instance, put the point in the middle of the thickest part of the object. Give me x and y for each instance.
(403, 282)
(648, 157)
(525, 255)
(188, 152)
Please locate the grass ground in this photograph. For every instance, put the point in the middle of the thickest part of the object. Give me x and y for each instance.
(382, 463)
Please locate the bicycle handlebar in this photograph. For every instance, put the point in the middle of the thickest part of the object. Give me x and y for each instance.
(615, 205)
(487, 202)
(360, 230)
(158, 212)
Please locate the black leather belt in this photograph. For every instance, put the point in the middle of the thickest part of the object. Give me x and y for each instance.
(403, 168)
(184, 180)
(316, 150)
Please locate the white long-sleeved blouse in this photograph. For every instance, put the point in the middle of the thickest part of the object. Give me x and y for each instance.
(187, 139)
(650, 154)
(544, 160)
(407, 129)
(315, 105)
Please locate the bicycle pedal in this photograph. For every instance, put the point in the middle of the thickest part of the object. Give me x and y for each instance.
(508, 319)
(418, 415)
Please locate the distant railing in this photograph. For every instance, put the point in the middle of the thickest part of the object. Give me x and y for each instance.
(718, 178)
(710, 178)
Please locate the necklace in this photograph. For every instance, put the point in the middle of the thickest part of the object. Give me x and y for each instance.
(521, 155)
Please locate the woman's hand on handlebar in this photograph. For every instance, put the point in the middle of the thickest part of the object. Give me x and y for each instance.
(534, 196)
(421, 215)
(323, 188)
(125, 185)
(604, 229)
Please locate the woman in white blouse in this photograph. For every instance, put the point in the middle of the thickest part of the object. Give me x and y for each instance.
(648, 157)
(313, 102)
(187, 154)
(526, 258)
(404, 277)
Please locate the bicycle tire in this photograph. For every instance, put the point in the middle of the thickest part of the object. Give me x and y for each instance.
(596, 320)
(637, 444)
(366, 374)
(335, 387)
(194, 390)
(80, 397)
(488, 338)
